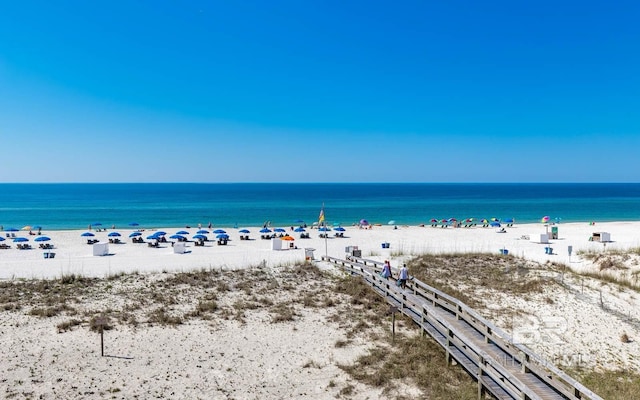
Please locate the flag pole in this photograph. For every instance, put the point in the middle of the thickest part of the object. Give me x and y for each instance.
(326, 252)
(323, 223)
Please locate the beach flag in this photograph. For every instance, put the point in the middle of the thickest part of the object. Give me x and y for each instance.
(321, 217)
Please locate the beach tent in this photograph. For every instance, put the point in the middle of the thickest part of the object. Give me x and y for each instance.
(276, 244)
(539, 238)
(179, 248)
(100, 249)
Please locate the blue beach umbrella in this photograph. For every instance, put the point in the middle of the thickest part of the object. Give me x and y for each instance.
(179, 237)
(152, 237)
(244, 231)
(160, 233)
(222, 236)
(1, 239)
(509, 220)
(265, 230)
(279, 230)
(114, 234)
(20, 239)
(324, 229)
(203, 232)
(135, 234)
(182, 233)
(339, 229)
(87, 234)
(219, 231)
(199, 236)
(495, 224)
(42, 239)
(299, 229)
(11, 230)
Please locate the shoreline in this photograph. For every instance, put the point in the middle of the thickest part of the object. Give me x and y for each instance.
(231, 226)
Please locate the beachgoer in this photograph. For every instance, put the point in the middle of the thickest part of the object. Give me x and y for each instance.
(199, 226)
(209, 225)
(404, 275)
(386, 270)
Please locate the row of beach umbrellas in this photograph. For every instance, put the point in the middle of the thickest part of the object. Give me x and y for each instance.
(180, 235)
(20, 239)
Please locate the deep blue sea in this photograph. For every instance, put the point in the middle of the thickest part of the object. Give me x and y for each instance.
(75, 206)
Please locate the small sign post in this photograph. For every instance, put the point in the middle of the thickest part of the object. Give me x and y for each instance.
(393, 310)
(101, 321)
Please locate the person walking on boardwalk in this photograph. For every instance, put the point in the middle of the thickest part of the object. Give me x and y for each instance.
(386, 270)
(404, 275)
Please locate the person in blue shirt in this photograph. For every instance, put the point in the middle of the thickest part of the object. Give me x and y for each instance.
(404, 275)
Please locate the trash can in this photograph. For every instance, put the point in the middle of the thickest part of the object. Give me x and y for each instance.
(504, 251)
(356, 253)
(385, 245)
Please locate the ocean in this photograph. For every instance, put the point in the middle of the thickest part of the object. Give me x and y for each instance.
(75, 206)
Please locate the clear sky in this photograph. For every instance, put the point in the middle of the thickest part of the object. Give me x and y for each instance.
(319, 91)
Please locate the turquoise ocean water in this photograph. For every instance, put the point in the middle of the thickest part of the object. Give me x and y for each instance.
(75, 206)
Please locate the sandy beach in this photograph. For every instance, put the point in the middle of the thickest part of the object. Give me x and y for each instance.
(74, 256)
(192, 359)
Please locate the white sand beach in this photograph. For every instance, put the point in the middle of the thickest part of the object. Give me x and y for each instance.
(192, 360)
(74, 256)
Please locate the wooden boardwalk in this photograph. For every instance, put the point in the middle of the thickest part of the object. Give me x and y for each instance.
(502, 368)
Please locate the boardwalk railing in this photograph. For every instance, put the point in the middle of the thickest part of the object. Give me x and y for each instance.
(505, 369)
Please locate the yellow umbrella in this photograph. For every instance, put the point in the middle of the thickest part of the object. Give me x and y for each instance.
(26, 228)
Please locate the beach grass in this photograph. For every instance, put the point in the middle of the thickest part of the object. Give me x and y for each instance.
(74, 302)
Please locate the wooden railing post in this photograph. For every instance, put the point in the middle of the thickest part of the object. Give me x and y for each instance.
(479, 377)
(448, 355)
(423, 320)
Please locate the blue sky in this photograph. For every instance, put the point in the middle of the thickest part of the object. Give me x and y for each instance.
(319, 91)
